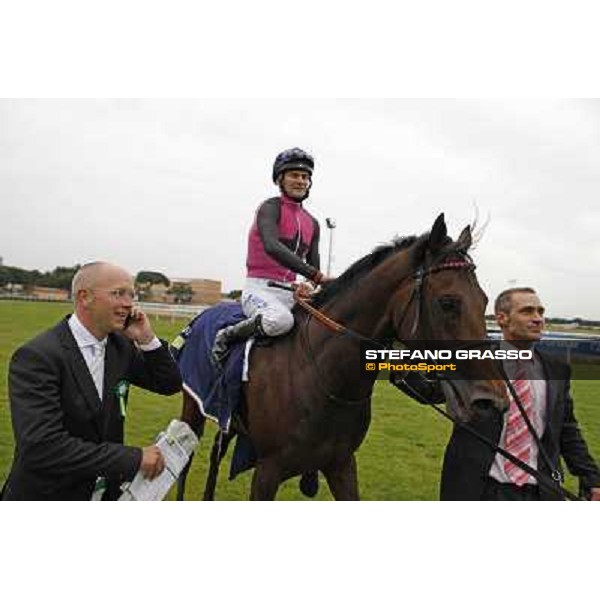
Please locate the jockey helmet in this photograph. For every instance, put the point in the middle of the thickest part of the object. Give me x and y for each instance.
(292, 159)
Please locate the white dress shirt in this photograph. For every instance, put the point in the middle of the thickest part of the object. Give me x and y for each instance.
(93, 350)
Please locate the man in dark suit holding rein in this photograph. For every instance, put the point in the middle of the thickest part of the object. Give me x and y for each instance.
(68, 394)
(472, 470)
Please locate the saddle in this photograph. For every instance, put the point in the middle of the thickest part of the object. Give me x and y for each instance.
(218, 392)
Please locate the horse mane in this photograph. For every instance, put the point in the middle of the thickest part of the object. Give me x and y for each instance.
(381, 253)
(361, 267)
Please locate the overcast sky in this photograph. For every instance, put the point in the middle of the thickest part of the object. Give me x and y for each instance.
(172, 185)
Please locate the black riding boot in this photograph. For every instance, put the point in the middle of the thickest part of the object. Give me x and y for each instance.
(234, 333)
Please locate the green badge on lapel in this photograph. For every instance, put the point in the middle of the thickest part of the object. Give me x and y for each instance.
(122, 394)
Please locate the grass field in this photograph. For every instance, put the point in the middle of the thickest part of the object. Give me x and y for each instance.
(399, 460)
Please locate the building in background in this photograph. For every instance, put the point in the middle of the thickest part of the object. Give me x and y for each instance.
(199, 291)
(48, 293)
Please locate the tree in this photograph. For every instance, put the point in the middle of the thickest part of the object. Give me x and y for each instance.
(22, 277)
(60, 277)
(14, 275)
(234, 294)
(144, 281)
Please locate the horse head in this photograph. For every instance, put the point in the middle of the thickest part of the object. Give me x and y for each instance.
(442, 301)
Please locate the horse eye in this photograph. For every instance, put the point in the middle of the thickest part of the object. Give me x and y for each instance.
(449, 304)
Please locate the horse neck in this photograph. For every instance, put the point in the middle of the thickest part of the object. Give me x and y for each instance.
(362, 308)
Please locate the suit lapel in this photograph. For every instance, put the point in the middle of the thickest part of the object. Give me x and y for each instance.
(553, 397)
(551, 389)
(80, 371)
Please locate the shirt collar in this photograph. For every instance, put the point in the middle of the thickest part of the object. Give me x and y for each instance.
(532, 367)
(82, 335)
(506, 345)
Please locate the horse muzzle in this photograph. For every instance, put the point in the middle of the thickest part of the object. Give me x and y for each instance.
(464, 398)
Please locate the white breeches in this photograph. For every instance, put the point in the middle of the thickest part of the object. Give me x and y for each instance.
(273, 304)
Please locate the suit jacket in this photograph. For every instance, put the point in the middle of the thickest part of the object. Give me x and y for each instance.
(467, 461)
(65, 436)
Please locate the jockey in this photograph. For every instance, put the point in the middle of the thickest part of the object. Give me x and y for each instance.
(283, 242)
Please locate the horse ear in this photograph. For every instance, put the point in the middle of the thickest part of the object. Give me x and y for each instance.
(437, 237)
(465, 239)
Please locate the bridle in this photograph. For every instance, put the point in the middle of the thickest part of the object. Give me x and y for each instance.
(420, 275)
(552, 483)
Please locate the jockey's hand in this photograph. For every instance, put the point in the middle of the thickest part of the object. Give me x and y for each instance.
(304, 290)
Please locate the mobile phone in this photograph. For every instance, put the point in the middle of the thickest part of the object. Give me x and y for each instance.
(128, 320)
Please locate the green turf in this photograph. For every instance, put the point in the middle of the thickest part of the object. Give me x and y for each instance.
(399, 460)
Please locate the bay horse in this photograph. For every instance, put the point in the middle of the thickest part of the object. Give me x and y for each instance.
(307, 403)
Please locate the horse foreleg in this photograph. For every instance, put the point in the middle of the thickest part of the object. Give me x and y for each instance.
(181, 481)
(343, 480)
(265, 481)
(190, 414)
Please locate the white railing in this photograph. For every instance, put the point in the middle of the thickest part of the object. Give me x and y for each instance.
(172, 311)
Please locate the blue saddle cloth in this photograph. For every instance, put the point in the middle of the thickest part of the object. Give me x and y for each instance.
(219, 393)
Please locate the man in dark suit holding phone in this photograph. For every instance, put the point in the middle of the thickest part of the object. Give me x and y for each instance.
(68, 394)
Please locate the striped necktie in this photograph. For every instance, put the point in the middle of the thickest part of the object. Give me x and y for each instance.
(518, 438)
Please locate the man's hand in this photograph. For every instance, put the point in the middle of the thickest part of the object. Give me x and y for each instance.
(139, 329)
(595, 494)
(153, 463)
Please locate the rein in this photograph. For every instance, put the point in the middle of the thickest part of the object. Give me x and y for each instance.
(333, 326)
(419, 276)
(552, 484)
(417, 295)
